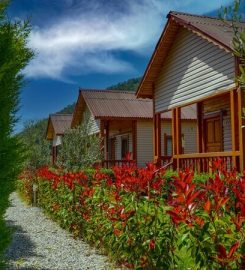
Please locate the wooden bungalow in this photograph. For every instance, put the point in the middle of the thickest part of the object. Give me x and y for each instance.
(126, 125)
(193, 64)
(57, 125)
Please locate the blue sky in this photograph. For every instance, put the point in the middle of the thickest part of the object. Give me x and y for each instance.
(90, 43)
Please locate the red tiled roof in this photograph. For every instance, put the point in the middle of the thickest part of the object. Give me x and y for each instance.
(118, 104)
(58, 124)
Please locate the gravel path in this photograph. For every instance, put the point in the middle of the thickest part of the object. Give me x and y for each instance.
(39, 243)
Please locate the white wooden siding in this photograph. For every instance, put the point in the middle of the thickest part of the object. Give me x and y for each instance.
(188, 129)
(193, 69)
(118, 145)
(144, 142)
(57, 140)
(145, 139)
(94, 124)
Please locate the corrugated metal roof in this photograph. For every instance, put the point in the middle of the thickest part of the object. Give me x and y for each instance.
(60, 122)
(215, 28)
(218, 32)
(118, 104)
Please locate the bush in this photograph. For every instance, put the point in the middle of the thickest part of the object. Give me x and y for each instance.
(148, 221)
(80, 149)
(14, 56)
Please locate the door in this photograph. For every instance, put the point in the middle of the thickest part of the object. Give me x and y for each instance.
(125, 146)
(213, 134)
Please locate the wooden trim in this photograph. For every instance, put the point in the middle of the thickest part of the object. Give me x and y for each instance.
(241, 123)
(211, 96)
(219, 113)
(159, 135)
(102, 136)
(140, 91)
(107, 138)
(121, 118)
(174, 136)
(200, 140)
(204, 35)
(208, 154)
(134, 138)
(234, 124)
(178, 134)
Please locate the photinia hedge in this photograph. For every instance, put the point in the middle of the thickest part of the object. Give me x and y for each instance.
(148, 220)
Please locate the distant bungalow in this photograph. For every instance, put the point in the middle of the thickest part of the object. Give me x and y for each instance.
(126, 125)
(57, 125)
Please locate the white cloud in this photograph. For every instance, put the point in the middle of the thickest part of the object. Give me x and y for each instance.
(87, 42)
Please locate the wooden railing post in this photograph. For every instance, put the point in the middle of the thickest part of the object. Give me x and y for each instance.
(174, 145)
(178, 134)
(200, 135)
(234, 124)
(241, 121)
(134, 135)
(157, 138)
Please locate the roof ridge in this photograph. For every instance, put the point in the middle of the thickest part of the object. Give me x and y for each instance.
(120, 98)
(194, 15)
(204, 17)
(68, 114)
(106, 90)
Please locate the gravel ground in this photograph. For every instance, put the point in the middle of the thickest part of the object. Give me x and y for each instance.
(39, 243)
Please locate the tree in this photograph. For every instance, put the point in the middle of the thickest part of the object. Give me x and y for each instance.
(80, 149)
(36, 146)
(233, 14)
(14, 56)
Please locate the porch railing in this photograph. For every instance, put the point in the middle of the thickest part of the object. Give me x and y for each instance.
(164, 160)
(118, 162)
(203, 162)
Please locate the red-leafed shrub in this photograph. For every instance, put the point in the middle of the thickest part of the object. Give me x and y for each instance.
(146, 219)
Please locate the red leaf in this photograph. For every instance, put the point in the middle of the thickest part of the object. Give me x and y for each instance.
(222, 252)
(207, 206)
(233, 249)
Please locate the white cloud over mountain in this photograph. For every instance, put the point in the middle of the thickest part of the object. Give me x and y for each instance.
(88, 39)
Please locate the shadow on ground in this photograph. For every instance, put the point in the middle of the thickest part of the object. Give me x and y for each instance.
(20, 249)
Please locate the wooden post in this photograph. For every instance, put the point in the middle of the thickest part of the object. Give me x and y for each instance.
(134, 135)
(200, 142)
(102, 143)
(158, 119)
(234, 124)
(200, 135)
(157, 138)
(178, 136)
(107, 139)
(241, 124)
(174, 145)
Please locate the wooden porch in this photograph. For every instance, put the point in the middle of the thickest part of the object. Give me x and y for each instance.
(114, 152)
(211, 145)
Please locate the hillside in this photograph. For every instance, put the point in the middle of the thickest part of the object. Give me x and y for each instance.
(129, 85)
(33, 133)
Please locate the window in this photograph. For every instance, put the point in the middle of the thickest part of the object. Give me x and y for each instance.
(125, 146)
(168, 145)
(112, 149)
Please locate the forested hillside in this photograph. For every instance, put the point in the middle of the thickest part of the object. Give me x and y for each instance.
(129, 85)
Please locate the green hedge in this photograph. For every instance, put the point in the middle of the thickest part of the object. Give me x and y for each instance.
(133, 216)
